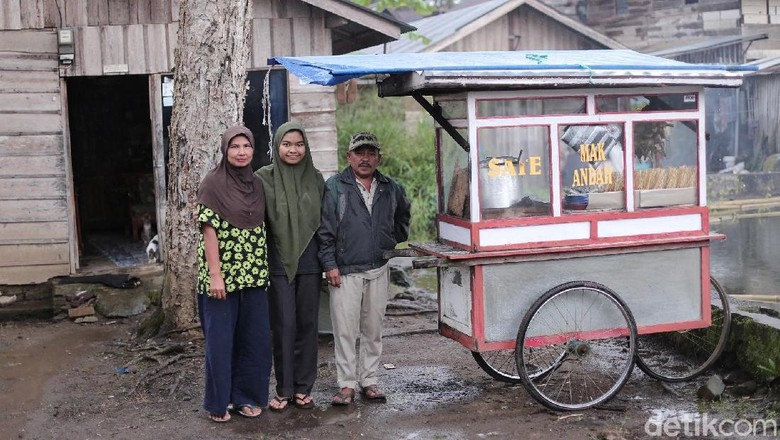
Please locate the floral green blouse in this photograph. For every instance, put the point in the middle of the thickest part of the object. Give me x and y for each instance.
(243, 254)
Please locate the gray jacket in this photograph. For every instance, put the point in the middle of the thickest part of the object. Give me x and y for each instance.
(352, 239)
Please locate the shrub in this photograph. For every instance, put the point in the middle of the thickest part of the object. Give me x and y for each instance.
(407, 156)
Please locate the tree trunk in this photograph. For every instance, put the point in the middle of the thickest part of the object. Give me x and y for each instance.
(209, 92)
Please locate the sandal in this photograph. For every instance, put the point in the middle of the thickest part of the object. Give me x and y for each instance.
(217, 418)
(304, 401)
(248, 411)
(372, 392)
(343, 398)
(282, 403)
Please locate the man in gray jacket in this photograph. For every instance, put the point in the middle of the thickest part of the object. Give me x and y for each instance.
(364, 214)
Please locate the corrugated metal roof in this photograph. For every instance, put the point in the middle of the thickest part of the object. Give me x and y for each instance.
(708, 44)
(437, 28)
(564, 68)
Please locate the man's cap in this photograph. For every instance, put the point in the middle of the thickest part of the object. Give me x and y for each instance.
(363, 140)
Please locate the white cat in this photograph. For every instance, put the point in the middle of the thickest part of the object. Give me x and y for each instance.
(152, 250)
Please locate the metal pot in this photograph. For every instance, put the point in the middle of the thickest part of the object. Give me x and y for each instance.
(501, 191)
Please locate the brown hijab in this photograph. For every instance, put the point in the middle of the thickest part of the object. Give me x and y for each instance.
(235, 194)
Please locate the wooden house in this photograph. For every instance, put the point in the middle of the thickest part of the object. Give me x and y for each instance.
(85, 97)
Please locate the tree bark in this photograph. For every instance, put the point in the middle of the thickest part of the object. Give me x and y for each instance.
(209, 93)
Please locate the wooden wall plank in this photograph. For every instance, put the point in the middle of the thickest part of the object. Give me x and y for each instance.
(32, 14)
(263, 9)
(301, 33)
(32, 274)
(75, 13)
(136, 49)
(281, 37)
(29, 41)
(23, 254)
(119, 12)
(321, 43)
(89, 53)
(19, 61)
(11, 14)
(112, 48)
(172, 41)
(298, 9)
(20, 166)
(140, 11)
(35, 231)
(48, 144)
(175, 10)
(261, 43)
(97, 12)
(160, 11)
(304, 102)
(20, 211)
(11, 123)
(52, 14)
(34, 81)
(32, 188)
(156, 48)
(25, 102)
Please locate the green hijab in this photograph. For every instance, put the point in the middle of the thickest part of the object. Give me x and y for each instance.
(293, 199)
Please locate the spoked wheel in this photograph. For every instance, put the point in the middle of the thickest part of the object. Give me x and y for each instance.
(683, 355)
(502, 365)
(576, 345)
(499, 364)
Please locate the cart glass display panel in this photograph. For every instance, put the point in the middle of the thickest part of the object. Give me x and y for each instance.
(665, 163)
(591, 159)
(669, 102)
(497, 108)
(514, 171)
(454, 175)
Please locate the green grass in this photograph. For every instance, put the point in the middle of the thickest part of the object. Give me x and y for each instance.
(407, 157)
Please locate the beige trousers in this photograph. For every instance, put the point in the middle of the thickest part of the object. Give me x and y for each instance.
(357, 309)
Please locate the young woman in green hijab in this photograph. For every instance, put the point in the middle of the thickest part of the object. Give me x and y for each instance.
(293, 197)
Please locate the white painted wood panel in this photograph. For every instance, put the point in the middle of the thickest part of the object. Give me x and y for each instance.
(457, 234)
(534, 234)
(651, 225)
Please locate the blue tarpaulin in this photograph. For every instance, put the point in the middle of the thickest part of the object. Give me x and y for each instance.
(331, 70)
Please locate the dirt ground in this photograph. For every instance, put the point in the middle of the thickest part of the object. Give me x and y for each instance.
(61, 380)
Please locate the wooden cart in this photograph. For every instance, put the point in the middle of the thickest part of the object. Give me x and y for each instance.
(573, 232)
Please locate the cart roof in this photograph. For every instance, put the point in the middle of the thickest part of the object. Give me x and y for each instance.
(445, 72)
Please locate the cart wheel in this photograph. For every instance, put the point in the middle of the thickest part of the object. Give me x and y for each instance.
(499, 364)
(684, 355)
(576, 345)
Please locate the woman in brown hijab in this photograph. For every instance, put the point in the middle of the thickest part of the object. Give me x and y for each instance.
(233, 282)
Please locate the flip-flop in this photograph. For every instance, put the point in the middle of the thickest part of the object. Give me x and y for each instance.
(301, 403)
(217, 418)
(372, 392)
(241, 410)
(282, 400)
(343, 399)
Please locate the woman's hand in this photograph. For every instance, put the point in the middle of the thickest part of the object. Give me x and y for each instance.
(217, 287)
(334, 277)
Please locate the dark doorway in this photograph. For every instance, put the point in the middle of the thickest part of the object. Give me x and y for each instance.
(111, 154)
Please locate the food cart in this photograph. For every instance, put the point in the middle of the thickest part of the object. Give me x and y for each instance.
(572, 230)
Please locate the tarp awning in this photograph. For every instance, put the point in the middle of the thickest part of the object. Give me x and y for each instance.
(331, 70)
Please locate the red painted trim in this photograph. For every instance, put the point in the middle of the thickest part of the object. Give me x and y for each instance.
(563, 250)
(562, 338)
(637, 240)
(706, 306)
(496, 345)
(478, 303)
(464, 340)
